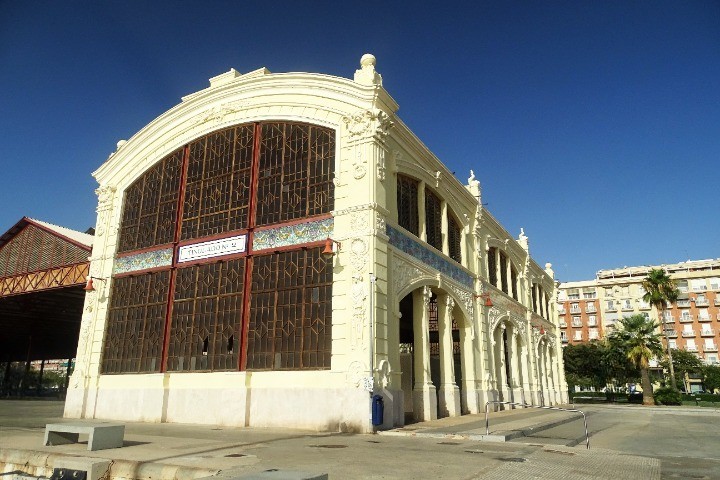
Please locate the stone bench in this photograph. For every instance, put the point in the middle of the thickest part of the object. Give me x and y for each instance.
(101, 435)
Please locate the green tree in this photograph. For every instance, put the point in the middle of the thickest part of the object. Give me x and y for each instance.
(684, 362)
(711, 377)
(617, 364)
(660, 290)
(638, 336)
(584, 365)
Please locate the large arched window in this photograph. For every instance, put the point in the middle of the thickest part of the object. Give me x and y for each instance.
(433, 219)
(407, 204)
(454, 239)
(190, 287)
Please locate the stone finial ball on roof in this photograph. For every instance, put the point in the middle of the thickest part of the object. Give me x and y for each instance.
(368, 60)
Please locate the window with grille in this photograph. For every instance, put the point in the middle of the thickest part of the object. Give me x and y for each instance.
(454, 239)
(207, 317)
(407, 204)
(136, 323)
(514, 282)
(503, 272)
(217, 189)
(290, 311)
(492, 266)
(150, 209)
(433, 219)
(198, 311)
(295, 168)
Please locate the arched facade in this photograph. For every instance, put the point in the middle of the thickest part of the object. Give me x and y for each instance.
(212, 289)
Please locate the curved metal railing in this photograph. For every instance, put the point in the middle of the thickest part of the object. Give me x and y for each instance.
(525, 405)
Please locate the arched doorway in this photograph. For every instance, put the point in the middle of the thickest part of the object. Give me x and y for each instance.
(510, 357)
(431, 354)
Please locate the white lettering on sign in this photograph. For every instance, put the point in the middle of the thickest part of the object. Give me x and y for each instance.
(214, 248)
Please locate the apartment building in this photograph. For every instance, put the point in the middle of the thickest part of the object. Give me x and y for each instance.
(692, 323)
(578, 312)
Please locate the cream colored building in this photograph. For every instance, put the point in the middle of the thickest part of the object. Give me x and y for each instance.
(214, 301)
(691, 322)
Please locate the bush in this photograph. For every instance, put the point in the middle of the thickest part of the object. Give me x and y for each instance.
(668, 396)
(703, 397)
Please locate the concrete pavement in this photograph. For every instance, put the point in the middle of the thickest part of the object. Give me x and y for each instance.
(625, 443)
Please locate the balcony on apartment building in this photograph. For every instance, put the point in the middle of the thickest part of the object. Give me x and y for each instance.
(717, 299)
(564, 339)
(671, 333)
(563, 324)
(710, 348)
(590, 308)
(707, 332)
(686, 318)
(561, 311)
(683, 303)
(691, 348)
(577, 324)
(627, 308)
(688, 334)
(704, 318)
(592, 323)
(702, 302)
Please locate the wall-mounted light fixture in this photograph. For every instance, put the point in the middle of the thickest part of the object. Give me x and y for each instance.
(89, 287)
(486, 296)
(329, 250)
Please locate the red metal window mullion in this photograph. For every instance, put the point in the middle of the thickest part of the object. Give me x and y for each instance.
(173, 267)
(247, 286)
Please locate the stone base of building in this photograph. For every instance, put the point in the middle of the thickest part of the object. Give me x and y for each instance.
(223, 399)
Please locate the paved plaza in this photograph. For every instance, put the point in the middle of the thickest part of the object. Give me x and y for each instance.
(626, 442)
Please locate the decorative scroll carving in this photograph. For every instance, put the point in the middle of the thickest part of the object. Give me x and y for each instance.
(359, 292)
(368, 122)
(381, 167)
(218, 114)
(405, 273)
(379, 224)
(466, 298)
(106, 196)
(359, 223)
(355, 374)
(359, 167)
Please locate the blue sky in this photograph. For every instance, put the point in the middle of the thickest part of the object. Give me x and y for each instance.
(593, 125)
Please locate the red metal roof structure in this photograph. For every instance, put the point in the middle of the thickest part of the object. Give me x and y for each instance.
(43, 268)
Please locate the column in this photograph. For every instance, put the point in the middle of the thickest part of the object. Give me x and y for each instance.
(533, 355)
(516, 380)
(542, 373)
(527, 392)
(424, 396)
(550, 396)
(498, 280)
(554, 377)
(469, 401)
(444, 227)
(503, 387)
(422, 225)
(449, 397)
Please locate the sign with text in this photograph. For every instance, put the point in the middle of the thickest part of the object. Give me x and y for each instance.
(213, 248)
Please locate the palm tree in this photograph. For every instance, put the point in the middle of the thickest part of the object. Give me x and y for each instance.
(639, 338)
(661, 291)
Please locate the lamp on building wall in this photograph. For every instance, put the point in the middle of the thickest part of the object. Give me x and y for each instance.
(329, 250)
(486, 296)
(89, 287)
